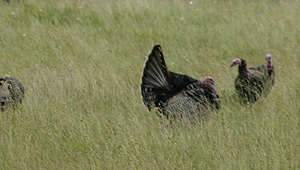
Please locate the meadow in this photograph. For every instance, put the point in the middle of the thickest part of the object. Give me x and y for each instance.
(81, 64)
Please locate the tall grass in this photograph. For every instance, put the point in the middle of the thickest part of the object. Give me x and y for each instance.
(81, 63)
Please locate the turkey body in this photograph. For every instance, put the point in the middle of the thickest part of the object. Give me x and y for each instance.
(250, 87)
(175, 95)
(268, 70)
(11, 92)
(250, 84)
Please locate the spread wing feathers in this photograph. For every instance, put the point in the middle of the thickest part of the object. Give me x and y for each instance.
(196, 99)
(156, 84)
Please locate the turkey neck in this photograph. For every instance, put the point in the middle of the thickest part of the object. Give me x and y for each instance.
(243, 68)
(270, 67)
(213, 87)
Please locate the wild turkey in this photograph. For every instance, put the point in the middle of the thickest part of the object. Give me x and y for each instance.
(249, 83)
(268, 70)
(176, 95)
(11, 92)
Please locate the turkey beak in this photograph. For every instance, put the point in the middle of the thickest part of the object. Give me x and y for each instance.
(232, 64)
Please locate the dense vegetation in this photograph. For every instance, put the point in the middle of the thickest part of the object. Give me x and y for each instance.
(81, 63)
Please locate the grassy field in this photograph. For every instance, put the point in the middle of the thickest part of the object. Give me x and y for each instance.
(81, 64)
